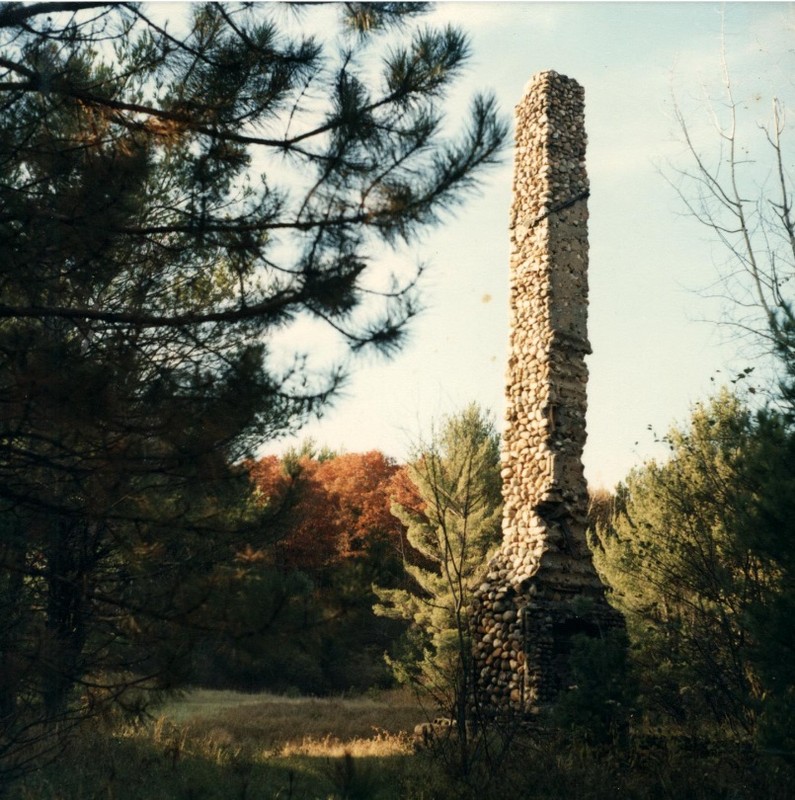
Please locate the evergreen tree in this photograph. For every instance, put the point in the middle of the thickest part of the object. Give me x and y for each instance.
(685, 561)
(171, 198)
(453, 528)
(765, 525)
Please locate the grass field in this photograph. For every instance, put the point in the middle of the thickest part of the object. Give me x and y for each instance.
(275, 721)
(230, 746)
(220, 744)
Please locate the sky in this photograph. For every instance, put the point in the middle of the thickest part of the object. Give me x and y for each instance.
(656, 347)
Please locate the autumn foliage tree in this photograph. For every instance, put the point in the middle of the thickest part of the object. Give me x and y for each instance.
(329, 510)
(303, 619)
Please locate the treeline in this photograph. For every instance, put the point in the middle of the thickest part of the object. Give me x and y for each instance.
(699, 552)
(358, 571)
(373, 559)
(302, 620)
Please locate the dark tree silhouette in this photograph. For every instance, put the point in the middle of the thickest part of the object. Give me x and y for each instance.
(170, 199)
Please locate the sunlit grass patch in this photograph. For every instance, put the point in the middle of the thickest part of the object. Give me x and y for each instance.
(272, 723)
(381, 744)
(223, 745)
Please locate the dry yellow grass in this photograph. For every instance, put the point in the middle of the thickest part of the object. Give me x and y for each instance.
(380, 744)
(378, 725)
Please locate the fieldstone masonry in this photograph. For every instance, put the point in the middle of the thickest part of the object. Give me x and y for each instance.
(542, 588)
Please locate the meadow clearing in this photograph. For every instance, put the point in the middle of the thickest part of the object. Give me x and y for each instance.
(225, 744)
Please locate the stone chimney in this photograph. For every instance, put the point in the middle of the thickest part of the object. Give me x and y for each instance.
(541, 588)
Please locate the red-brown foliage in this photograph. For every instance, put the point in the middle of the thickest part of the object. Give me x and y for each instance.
(328, 511)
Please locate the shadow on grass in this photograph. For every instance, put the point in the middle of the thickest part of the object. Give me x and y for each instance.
(136, 767)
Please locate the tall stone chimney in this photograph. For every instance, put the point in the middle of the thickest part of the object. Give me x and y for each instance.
(541, 588)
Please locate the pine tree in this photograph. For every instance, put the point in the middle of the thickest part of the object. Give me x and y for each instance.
(173, 197)
(453, 529)
(683, 573)
(765, 525)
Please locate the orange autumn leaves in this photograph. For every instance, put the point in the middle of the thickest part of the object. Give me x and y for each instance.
(324, 512)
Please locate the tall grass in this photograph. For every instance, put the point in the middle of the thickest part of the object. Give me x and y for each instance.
(229, 746)
(272, 721)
